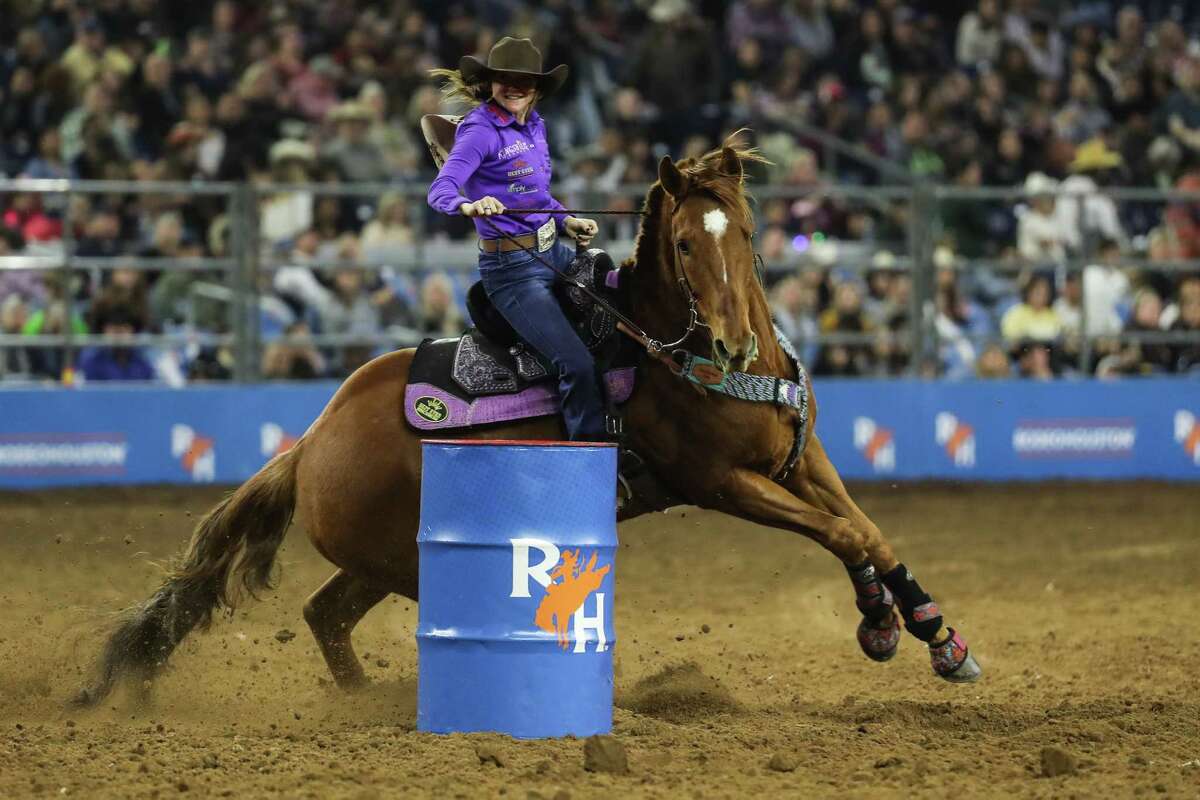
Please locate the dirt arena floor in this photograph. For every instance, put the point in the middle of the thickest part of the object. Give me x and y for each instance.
(737, 670)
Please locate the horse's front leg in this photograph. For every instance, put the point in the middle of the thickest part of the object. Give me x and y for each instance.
(879, 579)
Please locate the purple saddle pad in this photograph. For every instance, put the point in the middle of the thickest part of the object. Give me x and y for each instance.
(430, 408)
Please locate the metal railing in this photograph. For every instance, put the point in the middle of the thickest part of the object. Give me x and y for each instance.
(233, 282)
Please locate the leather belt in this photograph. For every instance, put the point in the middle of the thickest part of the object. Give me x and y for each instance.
(539, 241)
(527, 242)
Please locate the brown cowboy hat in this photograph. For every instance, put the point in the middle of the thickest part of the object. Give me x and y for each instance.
(511, 56)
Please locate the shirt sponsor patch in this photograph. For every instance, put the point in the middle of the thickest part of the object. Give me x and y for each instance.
(520, 168)
(514, 149)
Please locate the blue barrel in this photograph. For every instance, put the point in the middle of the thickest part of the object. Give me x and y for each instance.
(515, 623)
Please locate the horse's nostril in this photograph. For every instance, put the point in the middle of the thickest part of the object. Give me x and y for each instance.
(722, 350)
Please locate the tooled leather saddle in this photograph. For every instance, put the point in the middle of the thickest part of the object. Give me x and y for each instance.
(490, 375)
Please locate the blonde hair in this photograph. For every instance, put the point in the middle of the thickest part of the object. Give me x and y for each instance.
(456, 89)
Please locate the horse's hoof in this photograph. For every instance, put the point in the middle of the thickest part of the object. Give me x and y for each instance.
(953, 662)
(879, 640)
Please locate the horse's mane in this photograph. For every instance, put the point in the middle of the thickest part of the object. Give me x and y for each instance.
(706, 175)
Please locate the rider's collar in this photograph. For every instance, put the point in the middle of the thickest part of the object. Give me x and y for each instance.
(502, 119)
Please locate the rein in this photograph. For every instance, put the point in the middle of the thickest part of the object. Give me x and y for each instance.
(655, 348)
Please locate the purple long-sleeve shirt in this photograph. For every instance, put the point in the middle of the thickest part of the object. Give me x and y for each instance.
(495, 155)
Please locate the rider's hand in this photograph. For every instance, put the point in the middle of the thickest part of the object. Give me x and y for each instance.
(483, 207)
(581, 230)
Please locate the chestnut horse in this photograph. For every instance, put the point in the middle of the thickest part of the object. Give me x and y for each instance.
(354, 477)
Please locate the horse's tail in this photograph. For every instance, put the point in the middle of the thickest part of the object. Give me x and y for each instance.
(231, 553)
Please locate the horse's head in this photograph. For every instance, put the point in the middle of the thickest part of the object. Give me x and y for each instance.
(707, 234)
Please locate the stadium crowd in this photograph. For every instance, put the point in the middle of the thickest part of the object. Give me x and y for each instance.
(1052, 99)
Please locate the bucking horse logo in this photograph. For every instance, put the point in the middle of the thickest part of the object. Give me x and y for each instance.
(569, 587)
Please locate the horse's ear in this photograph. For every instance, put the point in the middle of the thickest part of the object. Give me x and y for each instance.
(671, 178)
(730, 163)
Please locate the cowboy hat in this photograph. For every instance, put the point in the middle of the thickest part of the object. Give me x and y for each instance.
(286, 149)
(1094, 154)
(669, 10)
(511, 56)
(1038, 184)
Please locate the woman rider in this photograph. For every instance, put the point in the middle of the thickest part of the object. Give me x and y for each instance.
(500, 160)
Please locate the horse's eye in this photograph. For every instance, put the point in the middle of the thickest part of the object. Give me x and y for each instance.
(683, 247)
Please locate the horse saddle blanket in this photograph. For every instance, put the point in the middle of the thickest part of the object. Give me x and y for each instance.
(471, 381)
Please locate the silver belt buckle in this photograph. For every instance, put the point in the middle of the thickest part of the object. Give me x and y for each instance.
(545, 236)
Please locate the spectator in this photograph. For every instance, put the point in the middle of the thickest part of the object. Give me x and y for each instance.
(1083, 117)
(201, 68)
(1033, 361)
(1041, 237)
(1187, 354)
(391, 230)
(157, 103)
(286, 214)
(400, 153)
(314, 91)
(25, 283)
(293, 357)
(356, 158)
(52, 319)
(439, 316)
(346, 307)
(1105, 291)
(1037, 38)
(91, 55)
(1033, 318)
(980, 34)
(1143, 356)
(1087, 216)
(993, 362)
(794, 307)
(1182, 111)
(119, 361)
(48, 163)
(845, 316)
(14, 313)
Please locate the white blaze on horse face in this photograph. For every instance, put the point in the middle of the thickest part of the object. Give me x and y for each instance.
(715, 222)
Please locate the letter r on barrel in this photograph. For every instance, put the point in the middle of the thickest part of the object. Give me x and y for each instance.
(522, 571)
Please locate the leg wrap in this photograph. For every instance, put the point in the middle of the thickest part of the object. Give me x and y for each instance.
(922, 617)
(873, 599)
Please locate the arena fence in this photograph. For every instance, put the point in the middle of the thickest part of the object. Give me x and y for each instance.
(906, 221)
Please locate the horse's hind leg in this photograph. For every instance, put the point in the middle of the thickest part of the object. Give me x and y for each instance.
(332, 612)
(880, 580)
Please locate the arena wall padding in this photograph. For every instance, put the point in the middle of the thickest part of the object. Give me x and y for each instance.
(872, 430)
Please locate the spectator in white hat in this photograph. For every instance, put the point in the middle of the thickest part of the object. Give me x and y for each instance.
(1040, 234)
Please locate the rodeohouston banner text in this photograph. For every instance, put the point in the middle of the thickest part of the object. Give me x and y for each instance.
(987, 430)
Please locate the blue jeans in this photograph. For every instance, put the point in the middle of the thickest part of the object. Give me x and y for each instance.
(521, 289)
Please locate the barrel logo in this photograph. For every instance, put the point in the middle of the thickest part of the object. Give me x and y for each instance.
(431, 408)
(569, 583)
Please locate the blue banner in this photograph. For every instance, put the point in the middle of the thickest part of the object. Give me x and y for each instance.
(987, 430)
